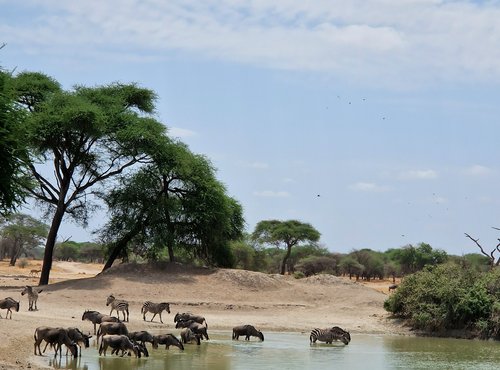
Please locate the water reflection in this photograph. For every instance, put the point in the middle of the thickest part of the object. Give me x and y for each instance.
(293, 351)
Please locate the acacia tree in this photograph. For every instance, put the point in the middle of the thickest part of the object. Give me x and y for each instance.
(175, 202)
(87, 136)
(25, 232)
(284, 233)
(12, 149)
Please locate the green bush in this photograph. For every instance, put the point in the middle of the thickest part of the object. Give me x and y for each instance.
(447, 297)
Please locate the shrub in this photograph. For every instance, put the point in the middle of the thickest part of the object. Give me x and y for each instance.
(22, 263)
(449, 297)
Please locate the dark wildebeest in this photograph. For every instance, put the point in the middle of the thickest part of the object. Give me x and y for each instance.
(8, 304)
(56, 337)
(117, 328)
(95, 317)
(168, 340)
(142, 337)
(187, 336)
(247, 331)
(196, 327)
(118, 343)
(393, 287)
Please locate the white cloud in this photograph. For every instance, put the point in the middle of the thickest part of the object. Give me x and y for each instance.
(369, 187)
(418, 39)
(418, 175)
(180, 132)
(272, 194)
(477, 170)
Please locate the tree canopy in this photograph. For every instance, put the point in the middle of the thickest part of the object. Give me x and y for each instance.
(87, 136)
(284, 234)
(174, 202)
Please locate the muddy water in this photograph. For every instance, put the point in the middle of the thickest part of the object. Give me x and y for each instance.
(293, 351)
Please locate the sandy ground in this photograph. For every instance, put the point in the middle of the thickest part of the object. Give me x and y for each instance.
(226, 298)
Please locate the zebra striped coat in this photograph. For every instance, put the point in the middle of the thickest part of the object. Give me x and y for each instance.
(118, 305)
(155, 309)
(328, 336)
(32, 297)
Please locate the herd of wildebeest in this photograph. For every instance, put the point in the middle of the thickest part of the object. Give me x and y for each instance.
(111, 331)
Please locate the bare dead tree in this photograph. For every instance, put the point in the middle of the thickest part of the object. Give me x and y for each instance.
(493, 260)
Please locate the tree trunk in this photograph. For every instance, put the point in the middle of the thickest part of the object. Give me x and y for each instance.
(120, 245)
(170, 242)
(50, 244)
(283, 263)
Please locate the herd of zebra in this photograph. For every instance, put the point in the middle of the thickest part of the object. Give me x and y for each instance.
(113, 332)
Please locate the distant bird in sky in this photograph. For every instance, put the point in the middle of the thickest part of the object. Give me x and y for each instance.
(318, 195)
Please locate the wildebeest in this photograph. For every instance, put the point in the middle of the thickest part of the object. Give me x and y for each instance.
(97, 318)
(186, 316)
(56, 337)
(247, 331)
(393, 287)
(196, 327)
(118, 342)
(8, 304)
(168, 340)
(77, 336)
(142, 337)
(187, 336)
(32, 296)
(117, 328)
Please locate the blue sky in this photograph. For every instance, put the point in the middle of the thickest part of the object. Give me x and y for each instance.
(386, 109)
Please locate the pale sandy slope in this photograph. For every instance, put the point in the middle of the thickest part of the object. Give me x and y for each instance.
(225, 297)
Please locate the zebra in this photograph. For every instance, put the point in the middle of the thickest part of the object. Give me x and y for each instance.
(8, 304)
(118, 305)
(155, 308)
(328, 336)
(32, 297)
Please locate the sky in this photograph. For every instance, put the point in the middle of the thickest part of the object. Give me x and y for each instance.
(376, 121)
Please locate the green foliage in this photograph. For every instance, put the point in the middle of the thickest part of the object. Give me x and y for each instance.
(284, 233)
(317, 264)
(447, 296)
(412, 259)
(12, 150)
(25, 233)
(88, 136)
(174, 204)
(76, 251)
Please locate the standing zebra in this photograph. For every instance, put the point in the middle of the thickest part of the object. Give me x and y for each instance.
(154, 308)
(328, 336)
(8, 304)
(32, 297)
(118, 305)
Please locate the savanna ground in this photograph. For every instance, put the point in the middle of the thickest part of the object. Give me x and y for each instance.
(225, 297)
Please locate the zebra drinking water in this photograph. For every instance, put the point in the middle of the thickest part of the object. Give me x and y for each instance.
(328, 335)
(155, 309)
(118, 305)
(32, 297)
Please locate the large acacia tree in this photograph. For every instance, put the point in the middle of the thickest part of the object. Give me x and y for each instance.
(284, 233)
(80, 139)
(174, 203)
(12, 149)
